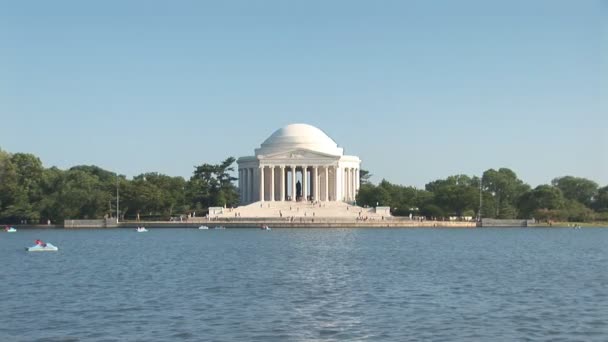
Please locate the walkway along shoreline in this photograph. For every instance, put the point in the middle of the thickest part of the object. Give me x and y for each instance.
(258, 222)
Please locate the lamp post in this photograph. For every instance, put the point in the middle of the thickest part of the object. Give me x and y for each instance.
(480, 199)
(117, 200)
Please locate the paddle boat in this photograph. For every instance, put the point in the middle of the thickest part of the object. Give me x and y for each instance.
(10, 229)
(203, 227)
(41, 246)
(141, 229)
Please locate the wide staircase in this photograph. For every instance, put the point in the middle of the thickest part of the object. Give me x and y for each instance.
(299, 209)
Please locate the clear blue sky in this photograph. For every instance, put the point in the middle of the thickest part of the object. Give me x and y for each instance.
(420, 90)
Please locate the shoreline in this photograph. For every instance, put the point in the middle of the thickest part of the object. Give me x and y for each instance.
(304, 225)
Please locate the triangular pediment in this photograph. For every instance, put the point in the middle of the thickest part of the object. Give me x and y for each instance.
(299, 154)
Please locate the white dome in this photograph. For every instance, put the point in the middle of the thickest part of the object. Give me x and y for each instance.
(299, 136)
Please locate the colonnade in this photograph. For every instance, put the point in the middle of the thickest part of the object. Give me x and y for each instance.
(279, 183)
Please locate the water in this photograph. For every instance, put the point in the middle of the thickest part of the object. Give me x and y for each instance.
(306, 285)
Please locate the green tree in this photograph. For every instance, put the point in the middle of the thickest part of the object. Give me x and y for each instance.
(576, 211)
(455, 194)
(372, 196)
(23, 175)
(601, 202)
(506, 189)
(8, 185)
(364, 177)
(213, 185)
(77, 194)
(577, 189)
(432, 211)
(142, 197)
(168, 194)
(543, 197)
(402, 198)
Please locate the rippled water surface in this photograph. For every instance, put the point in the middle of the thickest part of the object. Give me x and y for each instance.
(306, 285)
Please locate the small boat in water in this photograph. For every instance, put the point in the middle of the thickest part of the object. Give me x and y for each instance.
(203, 227)
(265, 227)
(10, 229)
(42, 247)
(141, 229)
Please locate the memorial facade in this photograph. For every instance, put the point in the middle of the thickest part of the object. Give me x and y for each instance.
(298, 162)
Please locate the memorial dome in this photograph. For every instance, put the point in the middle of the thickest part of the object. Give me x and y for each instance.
(299, 136)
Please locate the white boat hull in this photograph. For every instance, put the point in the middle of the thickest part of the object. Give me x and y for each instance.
(48, 248)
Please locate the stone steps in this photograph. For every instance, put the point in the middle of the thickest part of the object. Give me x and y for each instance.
(299, 209)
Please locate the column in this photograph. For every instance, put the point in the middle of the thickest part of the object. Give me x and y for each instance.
(351, 183)
(261, 183)
(346, 194)
(354, 183)
(304, 183)
(357, 180)
(348, 183)
(244, 185)
(343, 181)
(250, 185)
(282, 186)
(240, 185)
(337, 184)
(315, 183)
(272, 183)
(326, 195)
(293, 183)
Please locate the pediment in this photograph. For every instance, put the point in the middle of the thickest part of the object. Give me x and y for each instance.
(299, 154)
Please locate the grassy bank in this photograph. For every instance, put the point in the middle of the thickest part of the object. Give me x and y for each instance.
(597, 224)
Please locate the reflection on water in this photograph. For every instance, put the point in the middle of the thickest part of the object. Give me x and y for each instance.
(306, 285)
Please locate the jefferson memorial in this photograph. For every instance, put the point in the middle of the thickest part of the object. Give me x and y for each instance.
(298, 163)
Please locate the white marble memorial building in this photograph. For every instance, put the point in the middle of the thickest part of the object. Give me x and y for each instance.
(298, 162)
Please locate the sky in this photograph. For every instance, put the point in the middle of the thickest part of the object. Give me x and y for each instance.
(419, 90)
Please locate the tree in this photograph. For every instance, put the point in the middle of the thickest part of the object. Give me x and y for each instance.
(577, 189)
(543, 197)
(506, 189)
(169, 193)
(76, 194)
(601, 202)
(22, 173)
(455, 194)
(364, 177)
(372, 196)
(212, 185)
(576, 211)
(8, 185)
(402, 198)
(432, 211)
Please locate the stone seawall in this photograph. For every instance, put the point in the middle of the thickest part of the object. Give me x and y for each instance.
(295, 224)
(271, 222)
(99, 223)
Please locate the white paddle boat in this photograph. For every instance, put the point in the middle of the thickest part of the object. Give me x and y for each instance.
(42, 247)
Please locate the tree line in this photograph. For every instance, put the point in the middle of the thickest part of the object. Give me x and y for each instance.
(498, 194)
(32, 193)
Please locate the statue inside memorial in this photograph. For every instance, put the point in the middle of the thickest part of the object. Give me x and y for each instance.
(298, 190)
